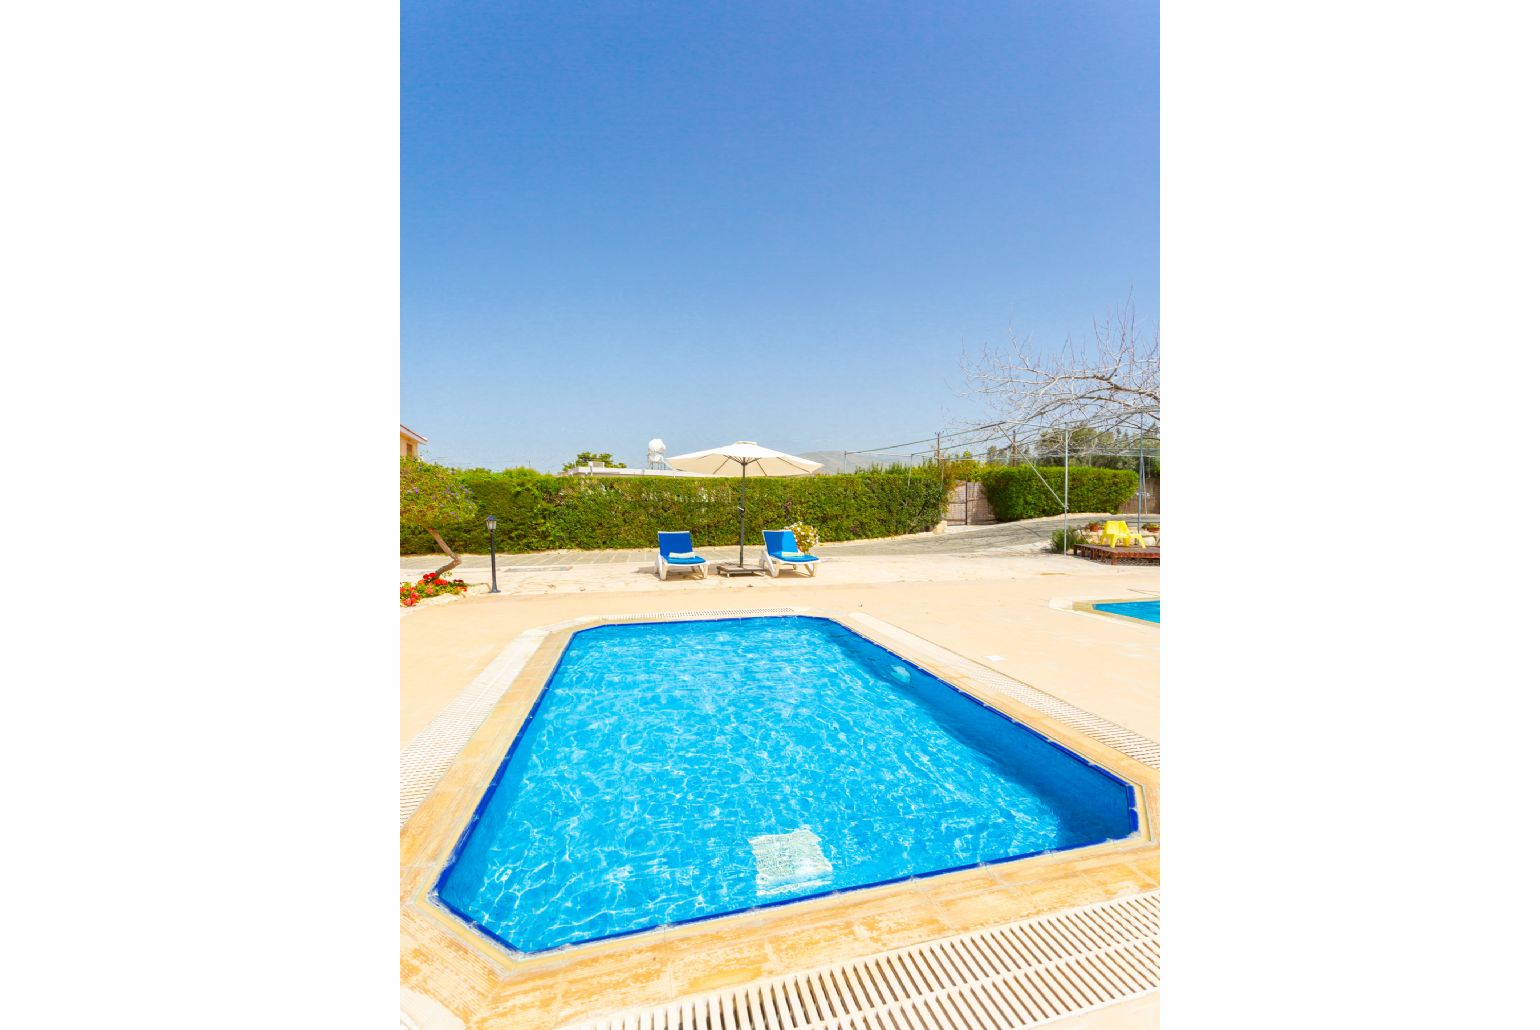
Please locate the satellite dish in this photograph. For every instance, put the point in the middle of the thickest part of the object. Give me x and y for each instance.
(655, 451)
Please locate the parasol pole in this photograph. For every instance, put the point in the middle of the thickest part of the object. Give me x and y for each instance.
(743, 500)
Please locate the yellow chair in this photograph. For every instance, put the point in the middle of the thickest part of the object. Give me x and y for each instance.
(1116, 532)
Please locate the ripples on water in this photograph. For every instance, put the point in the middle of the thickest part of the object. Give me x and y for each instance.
(660, 751)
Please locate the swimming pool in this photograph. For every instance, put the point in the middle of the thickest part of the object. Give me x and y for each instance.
(1149, 611)
(672, 772)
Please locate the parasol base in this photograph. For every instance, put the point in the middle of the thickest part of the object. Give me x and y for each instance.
(732, 568)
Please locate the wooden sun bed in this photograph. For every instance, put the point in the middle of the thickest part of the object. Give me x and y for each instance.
(1101, 552)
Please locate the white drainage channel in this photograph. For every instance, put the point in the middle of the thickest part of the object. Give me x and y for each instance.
(1140, 748)
(1022, 974)
(731, 613)
(428, 756)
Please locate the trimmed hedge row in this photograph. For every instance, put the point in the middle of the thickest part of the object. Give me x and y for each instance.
(1016, 492)
(539, 513)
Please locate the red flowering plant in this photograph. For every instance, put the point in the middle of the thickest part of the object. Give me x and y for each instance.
(431, 585)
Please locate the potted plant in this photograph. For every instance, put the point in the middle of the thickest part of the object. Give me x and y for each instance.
(805, 535)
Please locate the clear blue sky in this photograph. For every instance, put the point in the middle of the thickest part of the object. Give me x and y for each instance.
(774, 222)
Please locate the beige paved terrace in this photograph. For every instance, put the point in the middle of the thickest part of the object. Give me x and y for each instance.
(979, 591)
(989, 596)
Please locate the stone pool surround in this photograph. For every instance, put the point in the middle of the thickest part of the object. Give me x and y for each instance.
(483, 983)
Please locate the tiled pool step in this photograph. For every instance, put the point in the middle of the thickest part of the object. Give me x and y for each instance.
(1022, 974)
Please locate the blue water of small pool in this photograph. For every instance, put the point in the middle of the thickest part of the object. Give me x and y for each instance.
(677, 771)
(1149, 611)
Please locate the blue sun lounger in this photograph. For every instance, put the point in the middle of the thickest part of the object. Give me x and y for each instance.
(781, 549)
(676, 551)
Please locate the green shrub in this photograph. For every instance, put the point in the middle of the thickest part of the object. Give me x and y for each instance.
(538, 512)
(1017, 492)
(1059, 544)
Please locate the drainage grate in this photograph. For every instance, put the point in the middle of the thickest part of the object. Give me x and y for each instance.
(1022, 974)
(1136, 746)
(428, 756)
(726, 613)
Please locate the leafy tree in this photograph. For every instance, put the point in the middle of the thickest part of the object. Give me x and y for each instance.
(432, 499)
(605, 461)
(964, 468)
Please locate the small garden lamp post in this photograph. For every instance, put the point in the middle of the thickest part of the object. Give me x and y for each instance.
(492, 542)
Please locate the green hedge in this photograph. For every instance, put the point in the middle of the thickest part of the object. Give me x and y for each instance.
(1016, 492)
(539, 513)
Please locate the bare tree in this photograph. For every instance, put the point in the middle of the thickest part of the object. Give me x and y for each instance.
(1111, 385)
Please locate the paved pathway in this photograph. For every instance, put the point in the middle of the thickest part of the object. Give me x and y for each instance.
(1005, 537)
(1026, 537)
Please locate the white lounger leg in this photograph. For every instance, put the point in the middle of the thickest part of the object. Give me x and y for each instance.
(662, 569)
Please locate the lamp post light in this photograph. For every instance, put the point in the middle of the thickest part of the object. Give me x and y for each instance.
(492, 542)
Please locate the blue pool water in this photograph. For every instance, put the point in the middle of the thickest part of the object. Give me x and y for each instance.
(677, 771)
(1149, 611)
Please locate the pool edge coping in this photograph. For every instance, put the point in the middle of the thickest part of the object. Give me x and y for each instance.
(1137, 819)
(449, 946)
(1088, 607)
